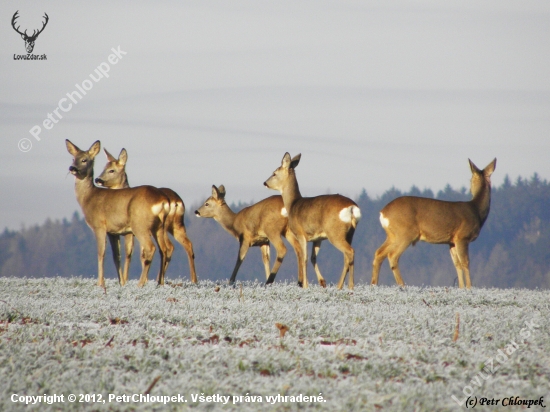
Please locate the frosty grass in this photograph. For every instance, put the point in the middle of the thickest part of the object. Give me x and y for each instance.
(374, 348)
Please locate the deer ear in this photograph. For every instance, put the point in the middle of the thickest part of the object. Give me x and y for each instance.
(490, 168)
(215, 192)
(286, 161)
(94, 149)
(221, 190)
(473, 167)
(71, 148)
(110, 157)
(122, 157)
(295, 160)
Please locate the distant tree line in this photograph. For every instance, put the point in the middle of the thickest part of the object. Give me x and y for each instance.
(513, 249)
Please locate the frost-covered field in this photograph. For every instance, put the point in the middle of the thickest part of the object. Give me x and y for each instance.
(375, 347)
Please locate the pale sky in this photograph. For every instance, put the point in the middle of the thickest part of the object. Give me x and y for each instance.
(374, 94)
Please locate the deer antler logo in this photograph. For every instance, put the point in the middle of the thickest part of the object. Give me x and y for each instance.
(29, 40)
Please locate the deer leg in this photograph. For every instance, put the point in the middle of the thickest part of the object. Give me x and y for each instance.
(146, 256)
(393, 257)
(351, 259)
(351, 283)
(463, 256)
(344, 246)
(101, 241)
(302, 260)
(467, 276)
(295, 243)
(165, 250)
(180, 235)
(458, 267)
(165, 227)
(243, 250)
(379, 256)
(129, 247)
(266, 259)
(349, 256)
(114, 240)
(280, 247)
(316, 245)
(168, 251)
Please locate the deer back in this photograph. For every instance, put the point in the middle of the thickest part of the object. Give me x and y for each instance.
(265, 216)
(170, 194)
(121, 211)
(431, 220)
(318, 216)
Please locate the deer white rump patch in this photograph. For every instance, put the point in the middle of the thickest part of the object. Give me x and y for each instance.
(284, 212)
(158, 207)
(384, 221)
(346, 214)
(174, 206)
(356, 213)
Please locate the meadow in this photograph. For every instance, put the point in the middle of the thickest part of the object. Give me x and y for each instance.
(375, 348)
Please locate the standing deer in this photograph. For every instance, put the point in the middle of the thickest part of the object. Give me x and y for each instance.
(114, 177)
(256, 225)
(29, 40)
(313, 219)
(141, 210)
(409, 219)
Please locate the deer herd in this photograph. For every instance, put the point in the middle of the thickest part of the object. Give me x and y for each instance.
(112, 209)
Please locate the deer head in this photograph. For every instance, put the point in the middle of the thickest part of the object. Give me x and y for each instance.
(114, 174)
(29, 40)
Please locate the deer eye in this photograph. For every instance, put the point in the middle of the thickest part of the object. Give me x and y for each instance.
(84, 160)
(111, 171)
(206, 204)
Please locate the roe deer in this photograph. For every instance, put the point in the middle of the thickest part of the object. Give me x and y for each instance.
(114, 177)
(313, 219)
(409, 219)
(255, 225)
(141, 210)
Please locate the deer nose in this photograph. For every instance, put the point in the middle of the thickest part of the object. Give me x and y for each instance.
(197, 213)
(99, 182)
(73, 169)
(265, 184)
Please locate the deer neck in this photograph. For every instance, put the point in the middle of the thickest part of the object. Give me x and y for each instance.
(291, 191)
(84, 188)
(482, 202)
(226, 218)
(124, 182)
